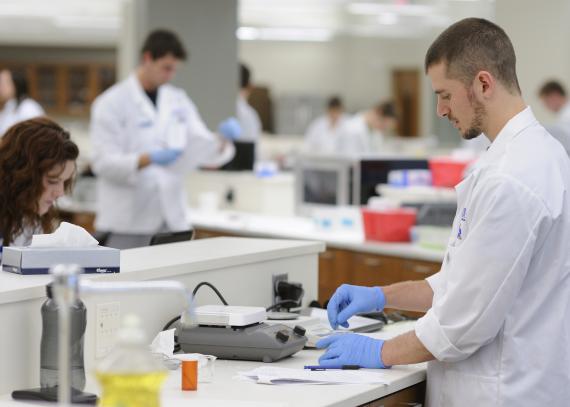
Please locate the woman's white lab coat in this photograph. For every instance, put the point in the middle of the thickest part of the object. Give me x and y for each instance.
(124, 125)
(14, 112)
(499, 325)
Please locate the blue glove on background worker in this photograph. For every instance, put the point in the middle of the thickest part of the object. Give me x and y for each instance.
(230, 128)
(352, 299)
(164, 157)
(351, 349)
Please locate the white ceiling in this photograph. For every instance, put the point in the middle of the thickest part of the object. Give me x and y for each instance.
(95, 23)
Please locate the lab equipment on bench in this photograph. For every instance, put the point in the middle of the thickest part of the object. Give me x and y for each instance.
(317, 326)
(234, 332)
(66, 289)
(130, 376)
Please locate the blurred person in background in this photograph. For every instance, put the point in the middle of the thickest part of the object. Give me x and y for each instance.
(15, 102)
(37, 166)
(147, 135)
(553, 96)
(364, 132)
(322, 134)
(246, 115)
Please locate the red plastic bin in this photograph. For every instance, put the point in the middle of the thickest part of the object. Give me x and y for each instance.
(447, 172)
(391, 225)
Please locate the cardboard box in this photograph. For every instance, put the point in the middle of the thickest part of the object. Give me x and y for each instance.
(38, 260)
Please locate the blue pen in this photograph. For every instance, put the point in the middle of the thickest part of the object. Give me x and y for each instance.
(340, 367)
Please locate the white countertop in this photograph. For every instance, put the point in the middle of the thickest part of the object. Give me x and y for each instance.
(227, 390)
(197, 255)
(303, 228)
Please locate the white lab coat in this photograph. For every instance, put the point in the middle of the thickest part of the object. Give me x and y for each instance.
(124, 125)
(321, 137)
(249, 121)
(13, 113)
(499, 325)
(358, 138)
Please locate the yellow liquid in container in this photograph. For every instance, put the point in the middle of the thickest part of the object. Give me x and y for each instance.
(131, 390)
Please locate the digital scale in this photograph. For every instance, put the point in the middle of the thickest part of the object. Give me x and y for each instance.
(235, 332)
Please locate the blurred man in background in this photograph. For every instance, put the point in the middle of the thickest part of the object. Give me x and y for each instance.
(323, 133)
(553, 95)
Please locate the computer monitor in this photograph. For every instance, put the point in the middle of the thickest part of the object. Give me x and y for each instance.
(375, 171)
(244, 157)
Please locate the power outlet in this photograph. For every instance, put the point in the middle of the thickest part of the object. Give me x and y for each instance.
(108, 324)
(275, 279)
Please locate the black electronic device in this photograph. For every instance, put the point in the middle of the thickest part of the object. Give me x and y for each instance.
(244, 157)
(171, 237)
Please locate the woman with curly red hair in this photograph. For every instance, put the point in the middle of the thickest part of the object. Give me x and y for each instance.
(37, 165)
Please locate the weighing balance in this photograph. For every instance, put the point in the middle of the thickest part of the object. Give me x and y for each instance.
(237, 332)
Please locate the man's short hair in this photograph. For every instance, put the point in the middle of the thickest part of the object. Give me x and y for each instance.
(335, 102)
(552, 87)
(160, 43)
(472, 45)
(244, 76)
(386, 109)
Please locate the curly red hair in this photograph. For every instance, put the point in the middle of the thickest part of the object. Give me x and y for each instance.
(28, 151)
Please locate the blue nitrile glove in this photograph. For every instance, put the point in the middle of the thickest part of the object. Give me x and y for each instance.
(351, 349)
(352, 299)
(165, 156)
(230, 128)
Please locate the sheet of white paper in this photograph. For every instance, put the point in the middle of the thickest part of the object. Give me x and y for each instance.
(281, 375)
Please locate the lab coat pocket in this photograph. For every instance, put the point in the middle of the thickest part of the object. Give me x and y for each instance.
(458, 386)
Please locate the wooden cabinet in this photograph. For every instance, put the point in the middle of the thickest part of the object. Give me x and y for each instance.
(371, 269)
(410, 396)
(368, 270)
(334, 270)
(65, 88)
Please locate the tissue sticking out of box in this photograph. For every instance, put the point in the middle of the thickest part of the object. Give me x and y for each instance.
(66, 235)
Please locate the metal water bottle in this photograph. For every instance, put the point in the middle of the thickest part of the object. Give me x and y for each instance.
(49, 343)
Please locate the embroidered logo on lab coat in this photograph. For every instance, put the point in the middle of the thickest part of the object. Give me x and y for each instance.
(462, 221)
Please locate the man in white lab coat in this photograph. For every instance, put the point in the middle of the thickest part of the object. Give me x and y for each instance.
(247, 116)
(364, 133)
(554, 97)
(323, 133)
(146, 136)
(496, 331)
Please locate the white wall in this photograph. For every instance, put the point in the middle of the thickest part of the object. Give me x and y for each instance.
(540, 32)
(359, 69)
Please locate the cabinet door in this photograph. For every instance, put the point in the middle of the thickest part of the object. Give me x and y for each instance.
(335, 269)
(77, 90)
(374, 270)
(46, 82)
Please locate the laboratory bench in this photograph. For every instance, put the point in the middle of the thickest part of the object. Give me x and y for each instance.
(241, 268)
(347, 259)
(406, 386)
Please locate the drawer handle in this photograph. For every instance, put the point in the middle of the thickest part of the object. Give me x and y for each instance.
(372, 262)
(327, 255)
(418, 268)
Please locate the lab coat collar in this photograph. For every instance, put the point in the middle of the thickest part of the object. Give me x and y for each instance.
(514, 126)
(141, 98)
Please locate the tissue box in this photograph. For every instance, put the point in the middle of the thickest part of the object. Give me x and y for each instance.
(38, 260)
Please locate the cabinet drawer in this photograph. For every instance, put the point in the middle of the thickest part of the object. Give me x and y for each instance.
(373, 270)
(417, 269)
